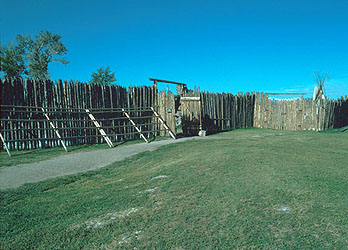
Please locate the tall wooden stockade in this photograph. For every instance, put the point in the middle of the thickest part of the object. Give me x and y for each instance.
(38, 114)
(299, 113)
(226, 111)
(35, 114)
(25, 127)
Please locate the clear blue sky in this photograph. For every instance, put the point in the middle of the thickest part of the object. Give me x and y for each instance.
(230, 46)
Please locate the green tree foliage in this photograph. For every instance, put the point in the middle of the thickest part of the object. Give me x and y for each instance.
(12, 62)
(46, 48)
(33, 55)
(103, 77)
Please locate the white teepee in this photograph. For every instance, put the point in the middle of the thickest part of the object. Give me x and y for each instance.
(319, 89)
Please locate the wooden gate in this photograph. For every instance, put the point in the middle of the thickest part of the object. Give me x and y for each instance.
(166, 109)
(191, 115)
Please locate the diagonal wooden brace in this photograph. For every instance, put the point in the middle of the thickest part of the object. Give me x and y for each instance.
(5, 146)
(54, 128)
(101, 131)
(134, 125)
(163, 123)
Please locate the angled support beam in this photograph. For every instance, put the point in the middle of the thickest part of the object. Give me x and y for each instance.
(163, 123)
(5, 146)
(101, 131)
(55, 129)
(134, 125)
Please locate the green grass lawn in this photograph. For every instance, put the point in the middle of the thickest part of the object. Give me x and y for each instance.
(249, 188)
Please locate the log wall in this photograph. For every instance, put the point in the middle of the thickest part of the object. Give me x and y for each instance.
(227, 111)
(24, 125)
(212, 112)
(300, 113)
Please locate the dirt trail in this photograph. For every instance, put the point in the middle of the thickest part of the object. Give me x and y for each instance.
(16, 176)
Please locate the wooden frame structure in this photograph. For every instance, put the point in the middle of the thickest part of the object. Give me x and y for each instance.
(26, 127)
(180, 87)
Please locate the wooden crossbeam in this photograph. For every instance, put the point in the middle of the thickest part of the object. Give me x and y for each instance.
(54, 128)
(100, 129)
(190, 98)
(165, 81)
(134, 125)
(5, 146)
(163, 123)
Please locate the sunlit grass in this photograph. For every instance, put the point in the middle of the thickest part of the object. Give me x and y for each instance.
(255, 189)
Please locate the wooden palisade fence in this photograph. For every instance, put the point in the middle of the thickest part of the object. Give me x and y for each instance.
(300, 113)
(32, 112)
(227, 111)
(216, 112)
(24, 124)
(25, 127)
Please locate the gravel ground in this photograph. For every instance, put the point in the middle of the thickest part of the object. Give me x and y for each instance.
(15, 176)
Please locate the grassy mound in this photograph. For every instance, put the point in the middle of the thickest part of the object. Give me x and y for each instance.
(245, 188)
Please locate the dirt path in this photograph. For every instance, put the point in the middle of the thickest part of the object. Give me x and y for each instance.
(16, 176)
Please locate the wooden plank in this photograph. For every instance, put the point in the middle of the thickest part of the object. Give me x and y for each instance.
(165, 81)
(163, 123)
(5, 146)
(55, 129)
(101, 131)
(134, 125)
(190, 98)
